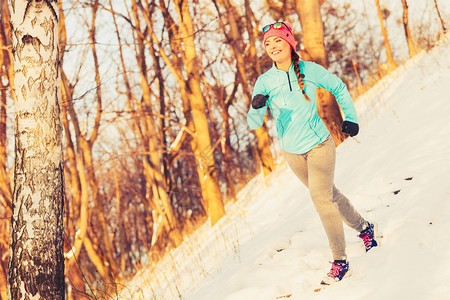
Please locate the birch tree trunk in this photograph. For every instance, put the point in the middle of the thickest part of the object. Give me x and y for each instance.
(313, 41)
(390, 58)
(36, 264)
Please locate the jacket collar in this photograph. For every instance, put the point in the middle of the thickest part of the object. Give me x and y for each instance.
(274, 68)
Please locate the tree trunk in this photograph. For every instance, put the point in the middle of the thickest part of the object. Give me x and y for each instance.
(84, 184)
(136, 119)
(201, 143)
(36, 264)
(78, 207)
(3, 280)
(184, 66)
(147, 130)
(8, 71)
(412, 49)
(77, 216)
(313, 41)
(390, 59)
(444, 28)
(76, 289)
(4, 246)
(312, 29)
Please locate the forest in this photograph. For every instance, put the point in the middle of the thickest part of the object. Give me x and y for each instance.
(149, 120)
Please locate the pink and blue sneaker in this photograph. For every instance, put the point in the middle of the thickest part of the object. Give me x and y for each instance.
(339, 269)
(368, 236)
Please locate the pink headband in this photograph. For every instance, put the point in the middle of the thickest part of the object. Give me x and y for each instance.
(283, 32)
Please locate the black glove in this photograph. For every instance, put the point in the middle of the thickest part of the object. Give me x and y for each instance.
(259, 101)
(350, 128)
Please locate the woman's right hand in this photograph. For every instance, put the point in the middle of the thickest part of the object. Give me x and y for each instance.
(259, 101)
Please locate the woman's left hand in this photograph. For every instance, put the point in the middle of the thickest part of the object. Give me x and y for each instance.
(350, 128)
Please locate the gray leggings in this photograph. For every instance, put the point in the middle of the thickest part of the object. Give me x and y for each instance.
(316, 170)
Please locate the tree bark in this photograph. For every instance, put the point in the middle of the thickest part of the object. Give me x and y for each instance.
(201, 144)
(6, 72)
(36, 264)
(313, 41)
(411, 48)
(4, 246)
(3, 280)
(390, 58)
(6, 69)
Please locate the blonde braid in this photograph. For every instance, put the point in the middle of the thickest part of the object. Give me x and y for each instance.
(296, 59)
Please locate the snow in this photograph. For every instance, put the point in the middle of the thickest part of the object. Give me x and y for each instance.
(395, 172)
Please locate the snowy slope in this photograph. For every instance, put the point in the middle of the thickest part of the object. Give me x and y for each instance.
(272, 243)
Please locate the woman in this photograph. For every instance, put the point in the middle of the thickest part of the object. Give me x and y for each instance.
(288, 89)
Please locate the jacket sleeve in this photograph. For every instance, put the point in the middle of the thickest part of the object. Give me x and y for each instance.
(334, 84)
(255, 117)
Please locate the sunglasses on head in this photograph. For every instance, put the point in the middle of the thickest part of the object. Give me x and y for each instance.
(277, 25)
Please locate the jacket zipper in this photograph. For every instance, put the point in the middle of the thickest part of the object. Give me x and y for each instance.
(289, 80)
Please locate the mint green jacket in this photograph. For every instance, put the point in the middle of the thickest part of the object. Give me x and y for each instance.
(299, 127)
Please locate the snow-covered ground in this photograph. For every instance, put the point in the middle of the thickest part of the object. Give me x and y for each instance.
(396, 172)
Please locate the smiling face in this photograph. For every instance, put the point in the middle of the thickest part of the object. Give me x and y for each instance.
(279, 51)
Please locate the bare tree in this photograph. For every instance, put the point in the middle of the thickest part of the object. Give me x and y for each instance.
(157, 199)
(390, 58)
(77, 198)
(36, 264)
(201, 144)
(183, 62)
(412, 49)
(234, 40)
(444, 28)
(84, 188)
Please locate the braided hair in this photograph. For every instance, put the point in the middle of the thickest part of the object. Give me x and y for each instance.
(296, 59)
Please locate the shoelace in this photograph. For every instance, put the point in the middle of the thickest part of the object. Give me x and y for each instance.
(335, 269)
(366, 239)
